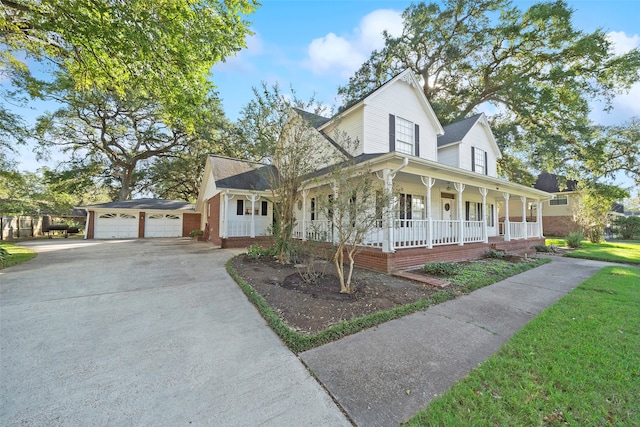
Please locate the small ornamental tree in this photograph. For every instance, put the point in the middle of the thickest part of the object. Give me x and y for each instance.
(277, 128)
(354, 209)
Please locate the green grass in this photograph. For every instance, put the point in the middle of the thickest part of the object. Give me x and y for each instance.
(17, 255)
(477, 275)
(299, 342)
(577, 363)
(619, 251)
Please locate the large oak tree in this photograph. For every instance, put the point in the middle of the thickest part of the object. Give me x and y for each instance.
(534, 67)
(164, 48)
(119, 136)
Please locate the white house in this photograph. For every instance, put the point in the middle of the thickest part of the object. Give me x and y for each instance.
(446, 187)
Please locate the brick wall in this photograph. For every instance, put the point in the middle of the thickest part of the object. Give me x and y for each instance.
(558, 225)
(213, 220)
(376, 260)
(190, 222)
(245, 241)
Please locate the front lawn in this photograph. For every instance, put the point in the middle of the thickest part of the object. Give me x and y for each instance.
(16, 254)
(624, 252)
(577, 363)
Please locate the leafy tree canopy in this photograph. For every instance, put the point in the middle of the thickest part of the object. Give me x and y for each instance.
(533, 66)
(162, 48)
(113, 137)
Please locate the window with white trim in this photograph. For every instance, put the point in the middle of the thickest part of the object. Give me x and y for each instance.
(480, 156)
(559, 201)
(404, 136)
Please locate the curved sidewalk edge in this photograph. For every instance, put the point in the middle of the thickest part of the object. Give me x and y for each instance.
(384, 375)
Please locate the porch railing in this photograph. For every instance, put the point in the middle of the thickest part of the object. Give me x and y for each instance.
(445, 232)
(473, 231)
(321, 231)
(516, 230)
(533, 229)
(239, 228)
(410, 233)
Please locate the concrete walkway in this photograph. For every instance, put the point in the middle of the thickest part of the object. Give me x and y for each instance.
(143, 332)
(384, 375)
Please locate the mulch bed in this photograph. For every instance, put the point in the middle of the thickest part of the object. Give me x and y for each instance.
(313, 307)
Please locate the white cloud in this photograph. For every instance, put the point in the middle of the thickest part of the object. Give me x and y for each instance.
(622, 43)
(333, 53)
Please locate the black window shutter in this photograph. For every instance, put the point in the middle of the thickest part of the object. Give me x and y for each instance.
(409, 207)
(313, 209)
(392, 133)
(486, 164)
(473, 159)
(239, 207)
(417, 149)
(466, 213)
(264, 208)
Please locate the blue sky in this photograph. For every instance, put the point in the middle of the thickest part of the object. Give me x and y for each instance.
(314, 46)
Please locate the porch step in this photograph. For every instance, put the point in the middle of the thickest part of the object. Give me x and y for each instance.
(404, 274)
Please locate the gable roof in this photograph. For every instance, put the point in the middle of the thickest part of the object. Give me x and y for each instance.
(406, 76)
(314, 120)
(241, 174)
(160, 204)
(549, 182)
(456, 131)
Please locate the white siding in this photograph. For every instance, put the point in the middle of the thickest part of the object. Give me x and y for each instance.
(352, 126)
(400, 100)
(449, 156)
(478, 136)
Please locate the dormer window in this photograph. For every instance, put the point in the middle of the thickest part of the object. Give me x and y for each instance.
(404, 136)
(479, 160)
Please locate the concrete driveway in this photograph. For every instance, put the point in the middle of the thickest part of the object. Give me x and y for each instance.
(143, 332)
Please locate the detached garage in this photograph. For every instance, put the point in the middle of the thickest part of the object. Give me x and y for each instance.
(141, 218)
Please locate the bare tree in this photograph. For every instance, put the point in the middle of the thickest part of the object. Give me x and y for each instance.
(279, 128)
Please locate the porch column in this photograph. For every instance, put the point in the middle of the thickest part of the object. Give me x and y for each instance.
(429, 182)
(305, 193)
(507, 232)
(253, 198)
(524, 216)
(460, 187)
(334, 239)
(387, 212)
(485, 230)
(225, 209)
(539, 219)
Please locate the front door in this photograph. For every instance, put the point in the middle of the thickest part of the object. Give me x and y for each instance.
(447, 209)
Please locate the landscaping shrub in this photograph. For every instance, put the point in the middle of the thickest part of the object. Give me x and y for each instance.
(493, 253)
(256, 251)
(573, 239)
(628, 227)
(541, 248)
(4, 254)
(441, 268)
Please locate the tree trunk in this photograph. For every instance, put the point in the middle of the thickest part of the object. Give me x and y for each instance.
(338, 260)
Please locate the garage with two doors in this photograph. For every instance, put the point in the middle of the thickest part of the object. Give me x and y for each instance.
(141, 218)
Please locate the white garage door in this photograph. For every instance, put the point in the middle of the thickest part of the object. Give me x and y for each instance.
(116, 226)
(163, 225)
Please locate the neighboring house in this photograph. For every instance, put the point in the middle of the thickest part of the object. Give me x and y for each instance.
(140, 218)
(557, 212)
(444, 178)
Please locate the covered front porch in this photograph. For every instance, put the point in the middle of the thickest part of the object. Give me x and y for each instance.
(431, 208)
